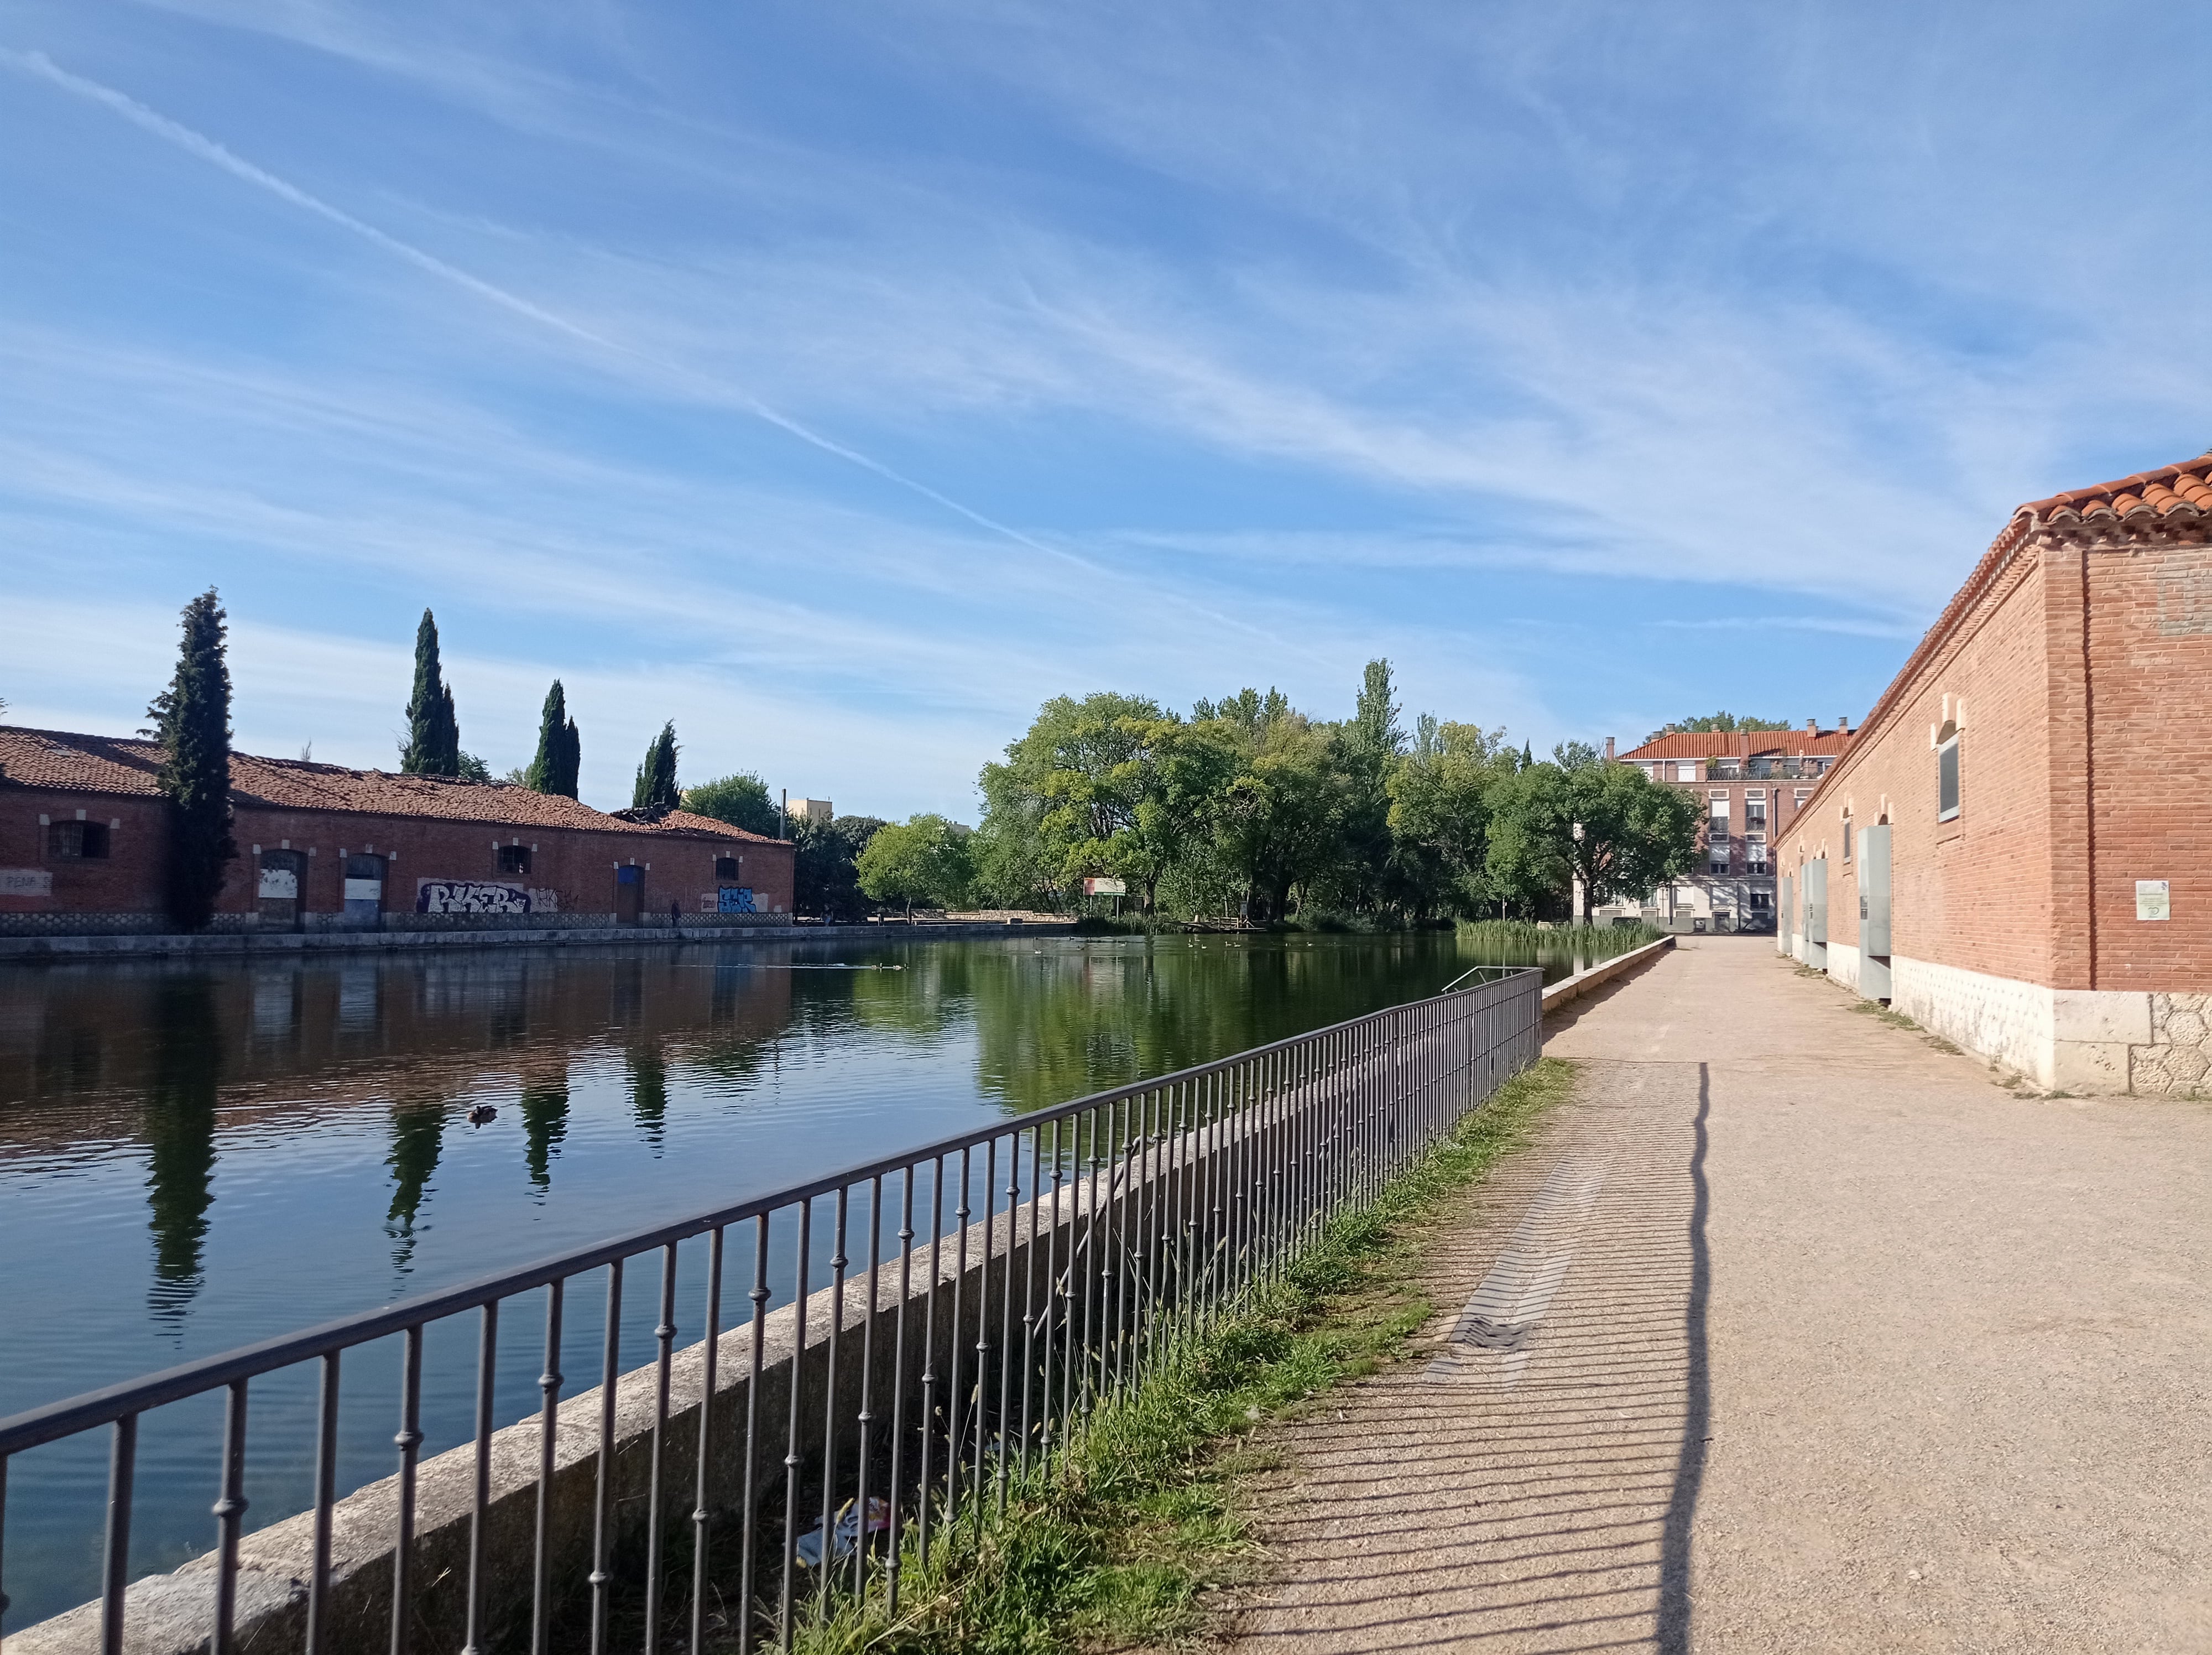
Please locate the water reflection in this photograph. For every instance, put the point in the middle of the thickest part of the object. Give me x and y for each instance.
(179, 1131)
(624, 1086)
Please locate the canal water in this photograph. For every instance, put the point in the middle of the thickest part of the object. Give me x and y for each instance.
(195, 1156)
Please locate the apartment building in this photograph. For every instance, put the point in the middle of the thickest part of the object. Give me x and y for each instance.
(1749, 787)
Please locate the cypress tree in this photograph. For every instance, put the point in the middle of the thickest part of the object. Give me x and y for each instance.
(192, 721)
(560, 749)
(656, 777)
(433, 733)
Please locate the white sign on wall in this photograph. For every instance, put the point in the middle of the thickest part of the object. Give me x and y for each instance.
(26, 882)
(280, 884)
(2153, 899)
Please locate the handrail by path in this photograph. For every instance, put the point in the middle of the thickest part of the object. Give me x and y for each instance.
(938, 1362)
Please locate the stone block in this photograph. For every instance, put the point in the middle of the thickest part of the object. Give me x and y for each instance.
(2100, 1016)
(2091, 1068)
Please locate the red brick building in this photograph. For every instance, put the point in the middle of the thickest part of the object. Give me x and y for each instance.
(1749, 786)
(83, 836)
(2013, 851)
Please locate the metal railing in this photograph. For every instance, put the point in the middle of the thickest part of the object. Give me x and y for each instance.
(943, 1365)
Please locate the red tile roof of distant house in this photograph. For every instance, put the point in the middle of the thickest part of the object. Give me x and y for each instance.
(1740, 743)
(74, 762)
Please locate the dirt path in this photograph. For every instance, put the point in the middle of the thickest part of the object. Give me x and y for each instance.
(1790, 1333)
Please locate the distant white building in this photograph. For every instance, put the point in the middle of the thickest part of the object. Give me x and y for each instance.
(811, 809)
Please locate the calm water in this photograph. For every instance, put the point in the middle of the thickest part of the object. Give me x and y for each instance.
(193, 1157)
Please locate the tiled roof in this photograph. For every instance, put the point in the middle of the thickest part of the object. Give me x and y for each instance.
(2180, 491)
(109, 765)
(1788, 743)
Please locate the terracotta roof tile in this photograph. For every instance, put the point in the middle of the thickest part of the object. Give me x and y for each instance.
(109, 765)
(1784, 744)
(2171, 491)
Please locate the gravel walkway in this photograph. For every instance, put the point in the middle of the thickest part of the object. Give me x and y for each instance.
(1790, 1333)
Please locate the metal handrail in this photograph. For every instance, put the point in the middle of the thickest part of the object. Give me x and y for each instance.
(1170, 1201)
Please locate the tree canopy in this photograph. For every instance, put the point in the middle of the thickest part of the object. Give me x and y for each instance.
(655, 788)
(560, 749)
(191, 719)
(924, 859)
(741, 800)
(1250, 807)
(1718, 724)
(432, 746)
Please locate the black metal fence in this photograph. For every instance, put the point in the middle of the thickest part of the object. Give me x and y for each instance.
(921, 1334)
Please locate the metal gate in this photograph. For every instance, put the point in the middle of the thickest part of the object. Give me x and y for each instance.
(1816, 913)
(1874, 911)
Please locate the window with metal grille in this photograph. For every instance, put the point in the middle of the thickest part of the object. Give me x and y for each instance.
(726, 868)
(1946, 774)
(71, 841)
(514, 858)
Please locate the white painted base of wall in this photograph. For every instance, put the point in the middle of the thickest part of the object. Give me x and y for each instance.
(1844, 963)
(2089, 1042)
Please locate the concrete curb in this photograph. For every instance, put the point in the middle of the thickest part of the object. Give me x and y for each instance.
(292, 945)
(1597, 977)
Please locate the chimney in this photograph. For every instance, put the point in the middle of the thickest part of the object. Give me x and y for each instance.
(1811, 725)
(1608, 750)
(1843, 723)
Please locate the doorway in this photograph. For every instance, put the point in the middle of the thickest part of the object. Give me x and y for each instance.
(364, 888)
(282, 872)
(630, 894)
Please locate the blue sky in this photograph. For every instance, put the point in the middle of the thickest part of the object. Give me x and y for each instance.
(842, 381)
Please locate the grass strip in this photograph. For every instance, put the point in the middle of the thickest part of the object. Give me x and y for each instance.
(1111, 1547)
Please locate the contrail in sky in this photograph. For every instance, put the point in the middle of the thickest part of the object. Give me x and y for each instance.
(206, 149)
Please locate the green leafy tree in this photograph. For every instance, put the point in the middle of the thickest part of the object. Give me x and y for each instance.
(191, 719)
(560, 749)
(924, 859)
(1440, 813)
(1721, 723)
(655, 788)
(1278, 822)
(741, 800)
(825, 857)
(434, 731)
(473, 768)
(1050, 799)
(1609, 827)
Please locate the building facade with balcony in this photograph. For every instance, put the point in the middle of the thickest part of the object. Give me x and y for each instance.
(1749, 786)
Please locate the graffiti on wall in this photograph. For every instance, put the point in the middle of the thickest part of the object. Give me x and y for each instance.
(471, 897)
(26, 882)
(736, 899)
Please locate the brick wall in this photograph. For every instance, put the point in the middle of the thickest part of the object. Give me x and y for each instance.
(125, 888)
(128, 879)
(1974, 892)
(2081, 676)
(2150, 763)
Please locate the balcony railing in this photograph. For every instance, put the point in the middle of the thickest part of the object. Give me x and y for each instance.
(1765, 769)
(892, 1369)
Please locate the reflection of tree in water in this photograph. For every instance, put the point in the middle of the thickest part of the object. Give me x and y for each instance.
(544, 1125)
(179, 1134)
(648, 1091)
(1052, 1026)
(418, 1138)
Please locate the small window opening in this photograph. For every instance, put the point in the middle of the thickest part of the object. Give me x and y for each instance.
(1847, 838)
(514, 858)
(1947, 773)
(72, 840)
(726, 868)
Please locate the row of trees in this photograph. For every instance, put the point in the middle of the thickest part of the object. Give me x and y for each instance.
(1251, 807)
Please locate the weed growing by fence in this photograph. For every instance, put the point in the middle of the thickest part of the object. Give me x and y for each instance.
(1113, 1545)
